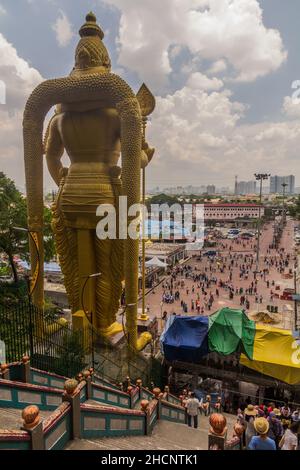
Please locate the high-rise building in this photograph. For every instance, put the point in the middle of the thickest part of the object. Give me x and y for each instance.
(276, 183)
(245, 187)
(211, 189)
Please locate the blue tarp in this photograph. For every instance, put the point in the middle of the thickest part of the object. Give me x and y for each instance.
(186, 339)
(48, 267)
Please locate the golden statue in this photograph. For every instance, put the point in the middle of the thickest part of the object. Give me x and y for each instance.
(97, 118)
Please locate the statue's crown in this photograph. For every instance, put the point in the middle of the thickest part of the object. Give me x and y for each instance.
(91, 53)
(91, 28)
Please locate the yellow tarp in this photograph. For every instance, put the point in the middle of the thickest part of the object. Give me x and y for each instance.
(275, 353)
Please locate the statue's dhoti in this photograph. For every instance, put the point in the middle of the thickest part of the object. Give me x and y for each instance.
(81, 253)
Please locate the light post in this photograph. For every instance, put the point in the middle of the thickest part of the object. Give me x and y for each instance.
(161, 319)
(259, 177)
(284, 185)
(90, 320)
(122, 315)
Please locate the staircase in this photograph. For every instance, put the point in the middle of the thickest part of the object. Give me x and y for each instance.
(104, 416)
(165, 436)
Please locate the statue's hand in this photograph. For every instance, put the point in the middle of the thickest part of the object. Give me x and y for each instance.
(144, 159)
(63, 173)
(147, 154)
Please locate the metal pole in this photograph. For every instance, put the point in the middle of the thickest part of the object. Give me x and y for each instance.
(82, 294)
(295, 302)
(143, 246)
(93, 351)
(258, 227)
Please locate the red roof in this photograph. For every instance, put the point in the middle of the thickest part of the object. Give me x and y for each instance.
(231, 205)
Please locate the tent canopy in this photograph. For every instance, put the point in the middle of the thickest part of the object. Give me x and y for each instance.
(48, 267)
(275, 353)
(230, 330)
(155, 261)
(186, 339)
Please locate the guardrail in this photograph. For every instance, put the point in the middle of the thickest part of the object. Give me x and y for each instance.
(110, 396)
(57, 428)
(39, 377)
(103, 421)
(14, 440)
(172, 412)
(153, 415)
(19, 395)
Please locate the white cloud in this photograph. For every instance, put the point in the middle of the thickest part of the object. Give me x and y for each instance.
(230, 30)
(217, 67)
(200, 138)
(2, 10)
(63, 29)
(19, 79)
(199, 81)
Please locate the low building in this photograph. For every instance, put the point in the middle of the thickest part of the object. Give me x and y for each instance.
(228, 212)
(169, 253)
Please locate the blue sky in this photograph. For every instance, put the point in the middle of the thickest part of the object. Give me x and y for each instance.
(221, 72)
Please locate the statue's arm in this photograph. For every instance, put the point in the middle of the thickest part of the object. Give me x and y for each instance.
(54, 151)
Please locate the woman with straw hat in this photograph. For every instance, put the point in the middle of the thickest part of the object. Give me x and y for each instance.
(262, 441)
(250, 414)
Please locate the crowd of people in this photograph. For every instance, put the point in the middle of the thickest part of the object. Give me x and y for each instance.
(228, 275)
(265, 427)
(281, 426)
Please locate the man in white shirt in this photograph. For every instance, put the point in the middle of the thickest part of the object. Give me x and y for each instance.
(192, 406)
(289, 440)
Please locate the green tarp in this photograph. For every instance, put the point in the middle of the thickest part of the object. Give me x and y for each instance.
(230, 330)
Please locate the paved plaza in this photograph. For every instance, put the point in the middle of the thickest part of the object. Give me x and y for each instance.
(233, 256)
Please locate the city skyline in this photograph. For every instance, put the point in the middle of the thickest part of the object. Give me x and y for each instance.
(216, 110)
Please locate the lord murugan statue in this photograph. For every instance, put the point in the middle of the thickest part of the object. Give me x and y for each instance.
(97, 119)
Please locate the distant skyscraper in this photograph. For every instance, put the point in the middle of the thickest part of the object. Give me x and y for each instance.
(277, 181)
(236, 185)
(245, 187)
(211, 189)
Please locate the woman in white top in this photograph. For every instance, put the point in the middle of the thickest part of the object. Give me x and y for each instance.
(289, 440)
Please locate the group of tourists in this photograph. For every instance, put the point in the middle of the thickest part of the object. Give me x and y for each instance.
(280, 426)
(265, 426)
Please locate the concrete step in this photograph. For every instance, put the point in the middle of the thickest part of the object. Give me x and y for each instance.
(166, 436)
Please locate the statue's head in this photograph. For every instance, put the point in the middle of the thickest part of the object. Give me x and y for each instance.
(91, 54)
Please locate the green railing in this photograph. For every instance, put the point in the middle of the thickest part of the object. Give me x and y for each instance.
(59, 349)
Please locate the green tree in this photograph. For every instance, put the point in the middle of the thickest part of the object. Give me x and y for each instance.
(294, 210)
(162, 199)
(13, 212)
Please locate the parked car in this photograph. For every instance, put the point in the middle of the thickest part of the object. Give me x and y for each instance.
(287, 294)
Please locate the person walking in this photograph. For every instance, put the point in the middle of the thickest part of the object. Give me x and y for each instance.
(262, 441)
(250, 414)
(289, 440)
(275, 428)
(192, 407)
